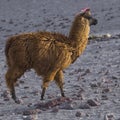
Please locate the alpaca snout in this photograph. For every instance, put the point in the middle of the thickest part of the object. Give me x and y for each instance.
(95, 21)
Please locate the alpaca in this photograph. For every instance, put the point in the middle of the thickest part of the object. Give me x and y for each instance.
(47, 53)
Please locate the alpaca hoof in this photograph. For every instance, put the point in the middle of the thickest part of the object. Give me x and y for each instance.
(63, 95)
(42, 99)
(18, 101)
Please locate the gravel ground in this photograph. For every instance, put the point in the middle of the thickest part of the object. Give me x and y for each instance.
(92, 83)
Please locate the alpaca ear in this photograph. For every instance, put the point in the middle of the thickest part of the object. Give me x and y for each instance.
(85, 10)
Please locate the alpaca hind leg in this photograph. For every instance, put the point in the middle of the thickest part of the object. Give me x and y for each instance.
(47, 79)
(11, 78)
(59, 81)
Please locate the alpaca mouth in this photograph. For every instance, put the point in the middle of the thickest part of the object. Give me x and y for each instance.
(94, 22)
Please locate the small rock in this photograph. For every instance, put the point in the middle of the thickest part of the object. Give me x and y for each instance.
(105, 80)
(29, 112)
(27, 118)
(1, 103)
(84, 106)
(114, 77)
(50, 96)
(104, 97)
(107, 35)
(6, 95)
(6, 99)
(106, 90)
(2, 114)
(98, 84)
(55, 110)
(24, 96)
(87, 115)
(80, 96)
(109, 116)
(93, 102)
(3, 20)
(66, 106)
(86, 72)
(26, 87)
(78, 114)
(17, 84)
(11, 21)
(35, 93)
(30, 104)
(94, 85)
(106, 72)
(19, 101)
(22, 82)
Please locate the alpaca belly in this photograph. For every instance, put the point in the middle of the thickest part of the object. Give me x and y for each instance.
(52, 61)
(42, 66)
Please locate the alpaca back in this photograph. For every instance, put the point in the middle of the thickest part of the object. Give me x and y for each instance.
(48, 52)
(42, 51)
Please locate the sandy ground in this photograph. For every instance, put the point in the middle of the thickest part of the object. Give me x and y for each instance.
(92, 83)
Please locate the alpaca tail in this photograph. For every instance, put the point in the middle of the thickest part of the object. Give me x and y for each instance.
(7, 47)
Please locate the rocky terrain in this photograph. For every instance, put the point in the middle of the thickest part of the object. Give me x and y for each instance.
(92, 83)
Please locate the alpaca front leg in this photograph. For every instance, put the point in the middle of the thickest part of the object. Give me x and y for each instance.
(43, 93)
(62, 92)
(59, 81)
(44, 87)
(48, 78)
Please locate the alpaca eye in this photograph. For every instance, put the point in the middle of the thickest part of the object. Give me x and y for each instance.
(88, 17)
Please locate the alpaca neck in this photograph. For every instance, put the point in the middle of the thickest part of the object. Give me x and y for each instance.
(79, 32)
(78, 35)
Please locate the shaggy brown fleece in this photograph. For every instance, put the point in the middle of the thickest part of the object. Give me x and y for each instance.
(47, 53)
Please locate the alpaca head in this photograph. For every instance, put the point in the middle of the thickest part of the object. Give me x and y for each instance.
(86, 15)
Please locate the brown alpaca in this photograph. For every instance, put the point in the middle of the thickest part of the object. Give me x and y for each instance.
(47, 53)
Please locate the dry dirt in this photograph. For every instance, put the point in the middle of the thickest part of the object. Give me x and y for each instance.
(92, 83)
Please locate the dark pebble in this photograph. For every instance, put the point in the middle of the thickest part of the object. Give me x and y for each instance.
(3, 20)
(86, 72)
(6, 95)
(104, 97)
(55, 110)
(27, 118)
(11, 21)
(93, 102)
(94, 85)
(78, 114)
(114, 77)
(109, 116)
(106, 90)
(30, 112)
(26, 87)
(22, 82)
(84, 106)
(66, 106)
(81, 96)
(35, 93)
